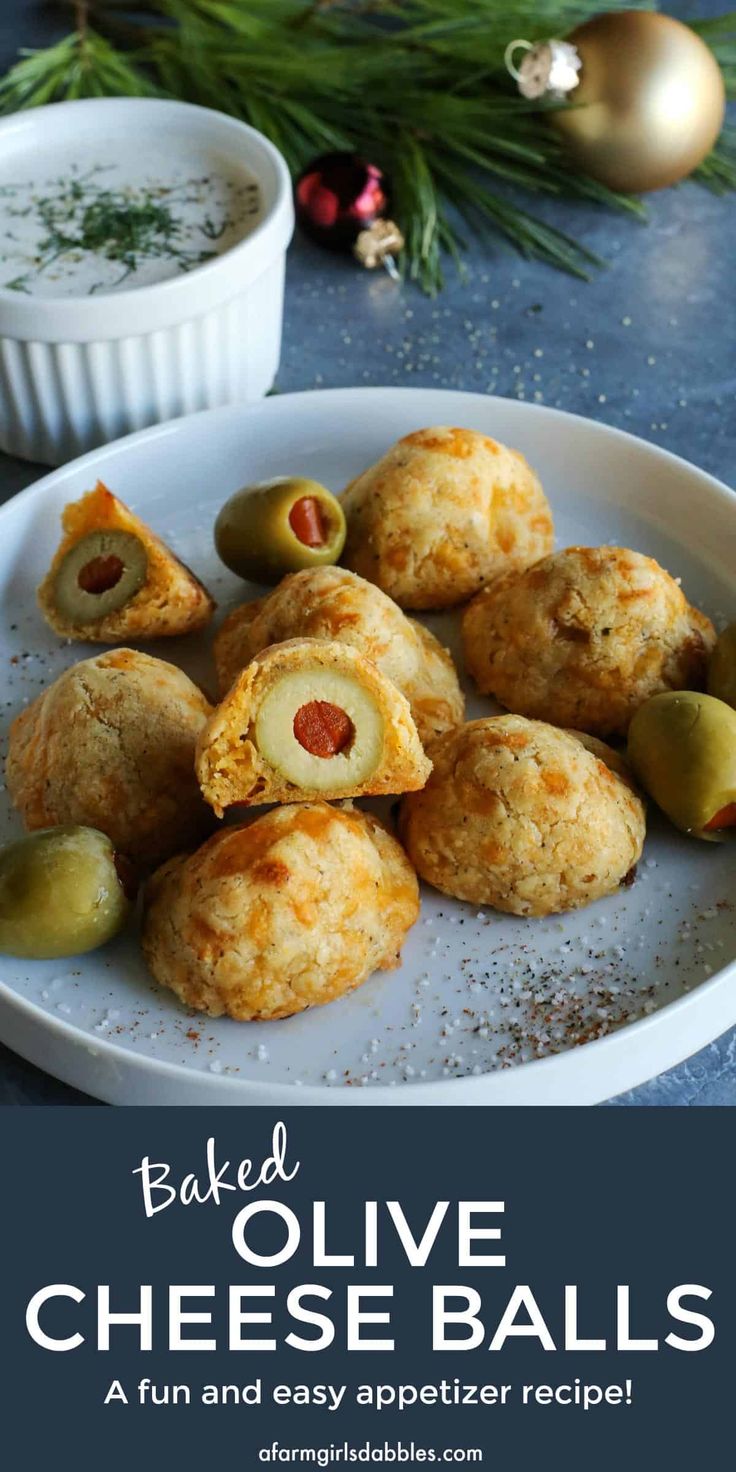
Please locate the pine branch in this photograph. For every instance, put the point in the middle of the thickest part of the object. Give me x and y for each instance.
(84, 64)
(418, 85)
(718, 171)
(719, 32)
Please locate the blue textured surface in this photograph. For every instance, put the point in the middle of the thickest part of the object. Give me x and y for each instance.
(648, 345)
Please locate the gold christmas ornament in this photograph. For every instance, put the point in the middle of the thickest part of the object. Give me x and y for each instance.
(647, 95)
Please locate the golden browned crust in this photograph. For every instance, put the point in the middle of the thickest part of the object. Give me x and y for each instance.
(231, 768)
(441, 514)
(291, 911)
(172, 600)
(111, 744)
(436, 700)
(524, 817)
(584, 637)
(232, 649)
(334, 604)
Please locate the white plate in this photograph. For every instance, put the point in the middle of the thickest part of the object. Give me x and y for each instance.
(647, 975)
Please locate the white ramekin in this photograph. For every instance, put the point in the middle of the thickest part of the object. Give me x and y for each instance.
(78, 371)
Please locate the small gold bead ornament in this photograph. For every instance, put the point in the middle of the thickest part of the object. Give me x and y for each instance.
(378, 245)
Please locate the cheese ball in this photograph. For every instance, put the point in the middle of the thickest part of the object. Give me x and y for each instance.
(332, 603)
(584, 637)
(111, 745)
(523, 817)
(309, 718)
(113, 580)
(444, 511)
(290, 911)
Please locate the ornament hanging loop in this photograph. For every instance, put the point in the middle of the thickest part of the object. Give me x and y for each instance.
(508, 57)
(549, 68)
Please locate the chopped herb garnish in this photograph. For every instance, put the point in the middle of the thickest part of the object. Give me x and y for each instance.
(81, 216)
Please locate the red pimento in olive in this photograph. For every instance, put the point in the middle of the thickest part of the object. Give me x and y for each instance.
(726, 818)
(101, 574)
(322, 728)
(307, 522)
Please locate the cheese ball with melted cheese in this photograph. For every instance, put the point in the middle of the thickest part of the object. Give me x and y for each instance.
(444, 511)
(110, 745)
(584, 637)
(523, 817)
(290, 911)
(334, 604)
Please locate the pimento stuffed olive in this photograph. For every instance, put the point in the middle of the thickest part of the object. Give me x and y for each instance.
(682, 746)
(281, 526)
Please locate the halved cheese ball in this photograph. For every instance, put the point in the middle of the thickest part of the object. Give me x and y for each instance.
(444, 511)
(113, 580)
(334, 604)
(290, 911)
(110, 745)
(309, 718)
(525, 818)
(584, 637)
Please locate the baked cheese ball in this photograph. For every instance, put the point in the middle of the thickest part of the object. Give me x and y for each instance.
(334, 604)
(309, 718)
(291, 911)
(112, 580)
(441, 513)
(584, 637)
(111, 745)
(523, 817)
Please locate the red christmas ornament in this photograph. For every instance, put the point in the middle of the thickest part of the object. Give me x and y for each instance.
(338, 196)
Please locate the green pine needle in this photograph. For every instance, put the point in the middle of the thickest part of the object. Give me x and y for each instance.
(720, 34)
(417, 85)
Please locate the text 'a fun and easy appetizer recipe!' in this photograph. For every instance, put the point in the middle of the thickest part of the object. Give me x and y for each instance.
(229, 823)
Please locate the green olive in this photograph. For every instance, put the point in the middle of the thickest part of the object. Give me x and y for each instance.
(63, 891)
(722, 669)
(99, 574)
(682, 746)
(281, 526)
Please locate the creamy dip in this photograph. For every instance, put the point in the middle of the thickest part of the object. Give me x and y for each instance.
(76, 228)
